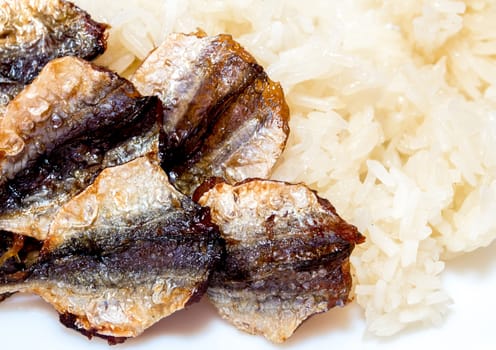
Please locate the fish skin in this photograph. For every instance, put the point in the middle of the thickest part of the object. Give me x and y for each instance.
(213, 90)
(245, 142)
(193, 75)
(287, 255)
(37, 31)
(123, 254)
(73, 121)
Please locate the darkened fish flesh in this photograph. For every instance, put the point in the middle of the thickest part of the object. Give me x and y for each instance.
(73, 121)
(123, 254)
(17, 253)
(287, 255)
(222, 115)
(36, 31)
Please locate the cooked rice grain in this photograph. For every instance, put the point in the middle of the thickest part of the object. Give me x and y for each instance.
(393, 119)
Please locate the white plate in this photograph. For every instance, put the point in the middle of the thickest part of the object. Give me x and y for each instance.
(26, 322)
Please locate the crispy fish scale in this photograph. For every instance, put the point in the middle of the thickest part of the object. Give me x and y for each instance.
(286, 259)
(123, 254)
(218, 105)
(73, 121)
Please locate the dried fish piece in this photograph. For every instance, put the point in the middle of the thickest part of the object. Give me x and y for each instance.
(287, 255)
(245, 142)
(73, 121)
(123, 254)
(34, 32)
(222, 114)
(193, 75)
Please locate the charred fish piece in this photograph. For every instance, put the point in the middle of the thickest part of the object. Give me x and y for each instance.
(286, 259)
(73, 121)
(123, 254)
(222, 115)
(34, 32)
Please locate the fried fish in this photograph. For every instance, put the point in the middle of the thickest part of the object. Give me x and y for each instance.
(73, 121)
(34, 32)
(223, 116)
(123, 254)
(286, 259)
(95, 227)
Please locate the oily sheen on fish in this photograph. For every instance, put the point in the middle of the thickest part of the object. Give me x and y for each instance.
(34, 32)
(245, 142)
(223, 116)
(286, 257)
(8, 90)
(73, 121)
(123, 254)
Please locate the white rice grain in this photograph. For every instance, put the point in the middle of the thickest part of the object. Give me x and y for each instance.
(393, 119)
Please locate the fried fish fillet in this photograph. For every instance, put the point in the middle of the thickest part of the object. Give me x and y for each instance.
(73, 121)
(33, 32)
(223, 116)
(286, 259)
(123, 254)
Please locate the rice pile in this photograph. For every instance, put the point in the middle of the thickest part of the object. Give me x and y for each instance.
(393, 120)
